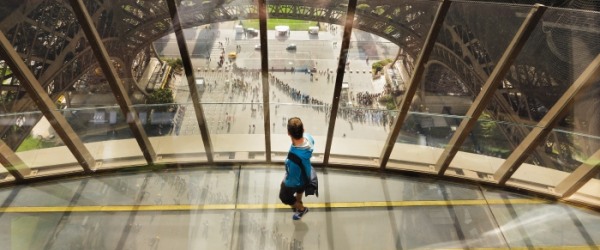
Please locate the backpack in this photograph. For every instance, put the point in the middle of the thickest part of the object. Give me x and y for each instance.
(311, 185)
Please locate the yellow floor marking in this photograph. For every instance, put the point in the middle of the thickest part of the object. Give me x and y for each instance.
(189, 207)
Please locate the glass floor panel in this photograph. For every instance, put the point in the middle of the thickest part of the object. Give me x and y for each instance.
(238, 208)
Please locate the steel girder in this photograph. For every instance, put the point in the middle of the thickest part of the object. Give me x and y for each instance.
(474, 75)
(49, 39)
(128, 27)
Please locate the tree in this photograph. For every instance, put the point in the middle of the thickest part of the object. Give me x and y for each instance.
(378, 66)
(161, 116)
(175, 63)
(160, 96)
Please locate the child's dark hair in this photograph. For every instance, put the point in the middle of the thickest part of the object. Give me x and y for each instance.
(295, 127)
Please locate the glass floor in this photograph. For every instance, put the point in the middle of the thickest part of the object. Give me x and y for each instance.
(238, 207)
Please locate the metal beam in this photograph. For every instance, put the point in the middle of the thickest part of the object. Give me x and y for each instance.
(264, 69)
(339, 78)
(189, 73)
(487, 92)
(46, 106)
(13, 164)
(558, 111)
(116, 85)
(414, 82)
(580, 176)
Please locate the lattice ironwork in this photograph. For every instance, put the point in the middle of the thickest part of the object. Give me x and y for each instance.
(48, 38)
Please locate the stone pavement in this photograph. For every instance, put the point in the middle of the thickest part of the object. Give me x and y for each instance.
(221, 101)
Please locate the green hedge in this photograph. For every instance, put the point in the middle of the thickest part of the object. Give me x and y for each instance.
(378, 66)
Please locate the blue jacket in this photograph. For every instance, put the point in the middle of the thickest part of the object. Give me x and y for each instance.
(294, 174)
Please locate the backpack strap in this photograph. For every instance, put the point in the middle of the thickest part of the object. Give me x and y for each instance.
(296, 159)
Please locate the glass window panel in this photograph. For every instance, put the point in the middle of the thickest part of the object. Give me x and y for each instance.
(467, 48)
(530, 89)
(385, 42)
(27, 133)
(559, 49)
(150, 75)
(60, 57)
(15, 127)
(360, 134)
(41, 35)
(486, 148)
(465, 52)
(303, 56)
(225, 56)
(40, 144)
(128, 40)
(236, 130)
(105, 132)
(173, 131)
(314, 118)
(558, 156)
(422, 140)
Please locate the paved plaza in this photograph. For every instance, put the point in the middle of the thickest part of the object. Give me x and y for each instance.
(242, 87)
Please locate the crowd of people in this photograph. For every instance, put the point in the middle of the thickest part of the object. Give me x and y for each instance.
(367, 116)
(365, 99)
(296, 95)
(363, 116)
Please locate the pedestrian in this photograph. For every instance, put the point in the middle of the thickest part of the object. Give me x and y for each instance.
(301, 151)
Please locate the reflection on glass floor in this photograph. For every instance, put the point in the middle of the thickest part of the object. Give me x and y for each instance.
(238, 208)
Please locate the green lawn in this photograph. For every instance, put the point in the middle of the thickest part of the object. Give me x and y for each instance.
(271, 23)
(31, 143)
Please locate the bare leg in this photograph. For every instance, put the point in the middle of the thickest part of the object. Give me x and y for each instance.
(298, 205)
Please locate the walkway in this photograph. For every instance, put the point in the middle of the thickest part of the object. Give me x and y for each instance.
(237, 208)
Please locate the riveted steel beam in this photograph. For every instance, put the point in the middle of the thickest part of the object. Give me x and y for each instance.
(115, 83)
(46, 106)
(590, 76)
(189, 73)
(264, 69)
(487, 92)
(339, 78)
(414, 82)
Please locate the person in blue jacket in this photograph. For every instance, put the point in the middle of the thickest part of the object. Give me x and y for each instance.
(292, 186)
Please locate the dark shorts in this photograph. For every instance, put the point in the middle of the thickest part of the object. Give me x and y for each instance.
(287, 195)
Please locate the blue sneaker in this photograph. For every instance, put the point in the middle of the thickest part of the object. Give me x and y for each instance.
(298, 215)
